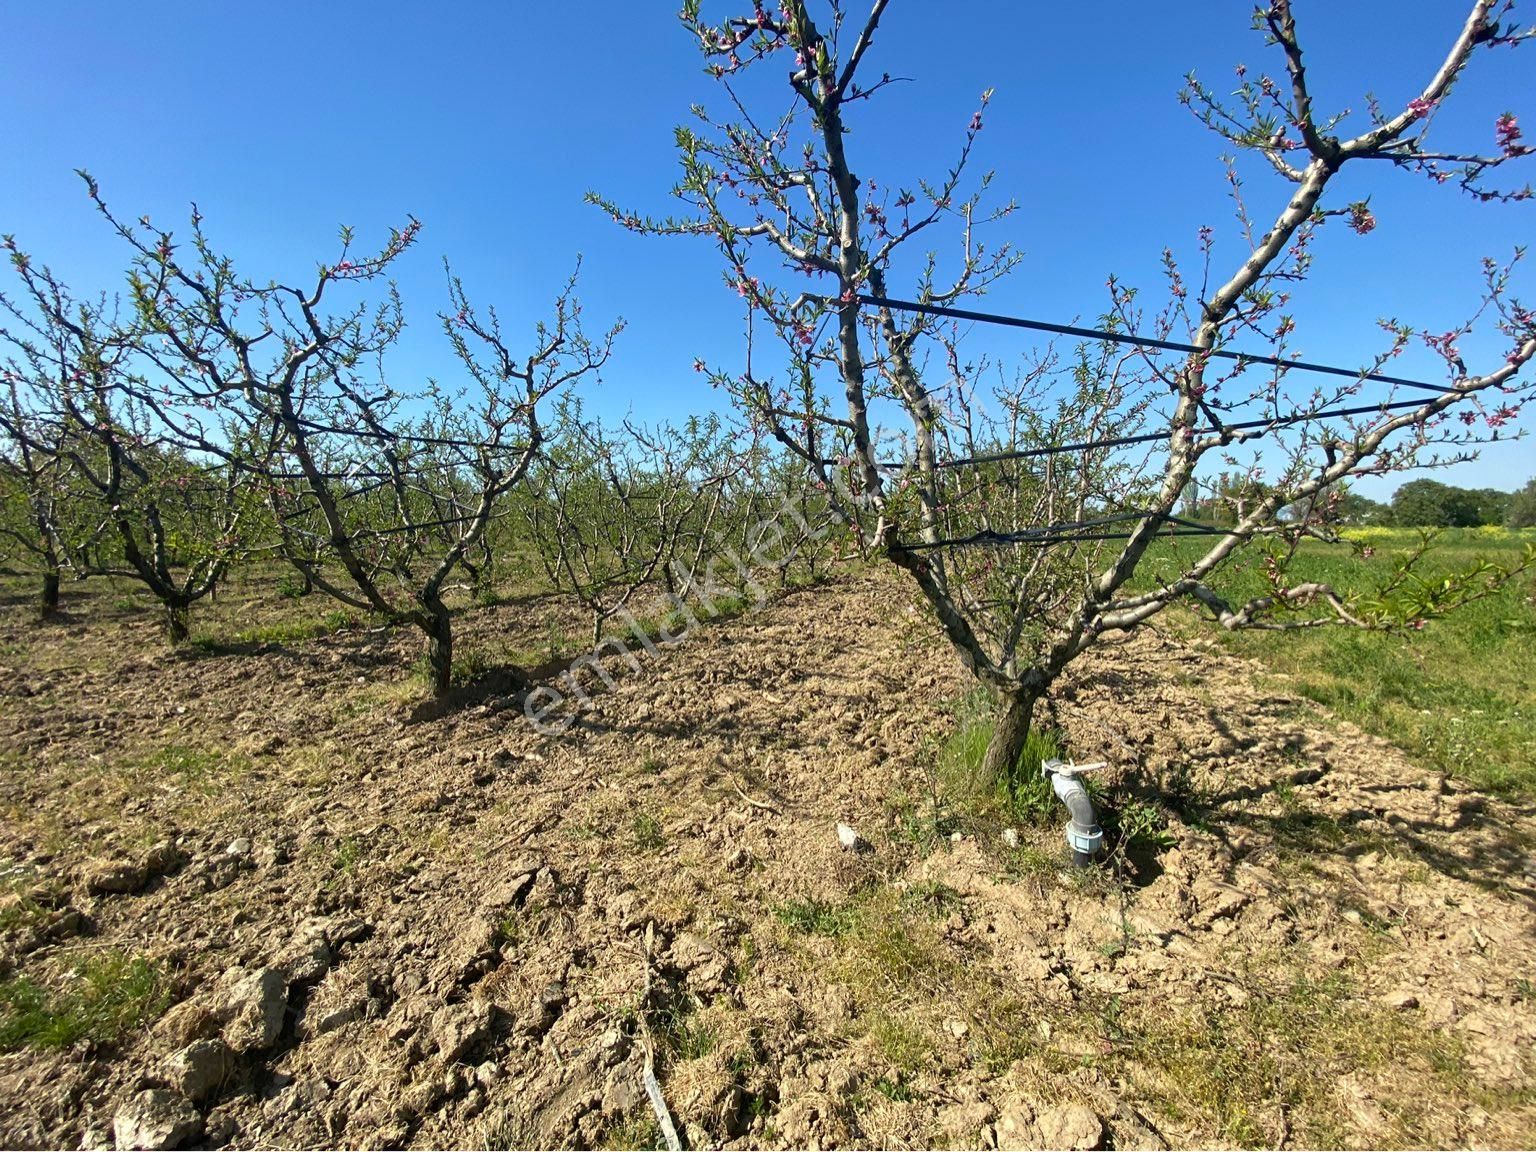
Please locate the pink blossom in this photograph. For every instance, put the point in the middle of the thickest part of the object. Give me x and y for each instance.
(1506, 131)
(1360, 218)
(1421, 107)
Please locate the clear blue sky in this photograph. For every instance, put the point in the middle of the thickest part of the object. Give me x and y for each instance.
(488, 121)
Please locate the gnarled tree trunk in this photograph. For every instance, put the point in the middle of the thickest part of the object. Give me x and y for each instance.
(48, 603)
(1010, 733)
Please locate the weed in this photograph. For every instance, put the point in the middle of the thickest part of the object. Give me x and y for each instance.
(932, 898)
(185, 766)
(652, 765)
(634, 1132)
(647, 832)
(1137, 823)
(901, 1042)
(816, 918)
(684, 1033)
(105, 997)
(284, 631)
(348, 852)
(1025, 798)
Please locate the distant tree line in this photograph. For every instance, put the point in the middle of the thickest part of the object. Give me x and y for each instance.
(1428, 503)
(1420, 503)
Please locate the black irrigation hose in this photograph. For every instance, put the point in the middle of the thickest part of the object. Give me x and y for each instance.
(1142, 341)
(1148, 437)
(1067, 532)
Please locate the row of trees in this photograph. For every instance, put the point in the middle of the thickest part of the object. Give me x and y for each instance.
(209, 418)
(1430, 504)
(1421, 503)
(1027, 555)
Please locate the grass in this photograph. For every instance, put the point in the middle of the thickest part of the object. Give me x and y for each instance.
(647, 832)
(1458, 696)
(816, 917)
(104, 998)
(283, 631)
(634, 1132)
(188, 766)
(1030, 799)
(1231, 1070)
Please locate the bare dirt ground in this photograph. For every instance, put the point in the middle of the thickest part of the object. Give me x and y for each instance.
(360, 927)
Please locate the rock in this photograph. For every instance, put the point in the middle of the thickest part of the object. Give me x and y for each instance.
(252, 1010)
(962, 1122)
(1011, 837)
(957, 1028)
(731, 1117)
(340, 1016)
(200, 1068)
(1072, 1126)
(690, 951)
(850, 840)
(612, 1047)
(307, 957)
(163, 857)
(1016, 1127)
(623, 1093)
(184, 1023)
(458, 1028)
(156, 1118)
(240, 846)
(544, 1010)
(122, 877)
(1401, 1000)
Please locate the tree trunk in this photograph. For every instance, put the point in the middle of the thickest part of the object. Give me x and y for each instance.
(1010, 732)
(439, 630)
(48, 605)
(178, 628)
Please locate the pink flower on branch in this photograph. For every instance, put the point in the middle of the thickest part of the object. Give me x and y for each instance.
(1506, 132)
(1360, 218)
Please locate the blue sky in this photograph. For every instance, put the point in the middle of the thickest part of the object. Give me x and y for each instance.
(488, 122)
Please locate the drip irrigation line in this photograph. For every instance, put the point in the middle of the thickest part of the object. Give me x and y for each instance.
(1143, 341)
(1069, 531)
(1148, 437)
(407, 437)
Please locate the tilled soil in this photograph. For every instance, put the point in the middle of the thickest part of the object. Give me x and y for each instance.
(373, 926)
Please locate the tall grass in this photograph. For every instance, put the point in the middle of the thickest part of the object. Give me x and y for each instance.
(1458, 696)
(1027, 797)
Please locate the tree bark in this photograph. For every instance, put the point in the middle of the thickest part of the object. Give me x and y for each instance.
(178, 627)
(1010, 732)
(48, 605)
(438, 626)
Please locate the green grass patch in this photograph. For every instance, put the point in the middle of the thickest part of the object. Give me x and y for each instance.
(1028, 798)
(647, 832)
(817, 917)
(1228, 1070)
(1458, 696)
(281, 632)
(638, 1131)
(185, 765)
(102, 999)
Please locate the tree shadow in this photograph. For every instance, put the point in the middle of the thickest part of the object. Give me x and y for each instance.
(497, 683)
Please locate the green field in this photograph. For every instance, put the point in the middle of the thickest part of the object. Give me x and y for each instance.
(1459, 695)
